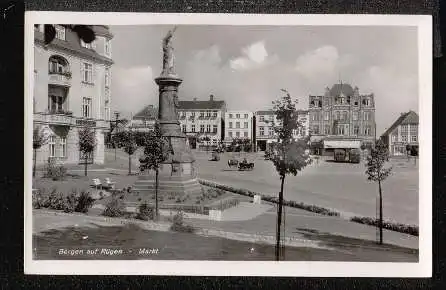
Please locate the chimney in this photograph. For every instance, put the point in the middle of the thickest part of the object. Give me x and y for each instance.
(195, 99)
(211, 98)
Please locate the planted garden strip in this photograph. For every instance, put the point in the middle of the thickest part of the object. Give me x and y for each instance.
(397, 227)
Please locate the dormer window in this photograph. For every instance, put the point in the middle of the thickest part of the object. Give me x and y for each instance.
(366, 102)
(90, 45)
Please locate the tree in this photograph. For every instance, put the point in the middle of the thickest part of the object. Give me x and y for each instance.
(156, 151)
(290, 155)
(87, 143)
(39, 139)
(376, 171)
(127, 141)
(84, 32)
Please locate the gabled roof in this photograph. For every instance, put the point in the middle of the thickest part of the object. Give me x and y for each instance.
(345, 89)
(149, 113)
(405, 118)
(201, 105)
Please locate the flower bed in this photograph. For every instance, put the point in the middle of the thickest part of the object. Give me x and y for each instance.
(397, 227)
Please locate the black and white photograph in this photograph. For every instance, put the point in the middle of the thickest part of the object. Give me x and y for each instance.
(274, 145)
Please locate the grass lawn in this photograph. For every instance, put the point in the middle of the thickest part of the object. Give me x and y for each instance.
(184, 246)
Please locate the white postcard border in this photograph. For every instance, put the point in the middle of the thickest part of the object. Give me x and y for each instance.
(243, 268)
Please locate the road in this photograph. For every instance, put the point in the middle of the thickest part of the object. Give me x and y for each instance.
(343, 187)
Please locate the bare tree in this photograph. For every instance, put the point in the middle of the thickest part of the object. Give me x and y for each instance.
(127, 141)
(87, 144)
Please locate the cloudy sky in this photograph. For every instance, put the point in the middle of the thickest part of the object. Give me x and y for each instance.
(248, 65)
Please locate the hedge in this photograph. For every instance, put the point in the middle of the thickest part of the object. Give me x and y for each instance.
(397, 227)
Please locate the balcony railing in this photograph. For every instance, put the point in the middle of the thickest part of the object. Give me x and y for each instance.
(55, 118)
(59, 79)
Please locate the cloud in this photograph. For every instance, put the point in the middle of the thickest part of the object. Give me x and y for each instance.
(132, 88)
(254, 56)
(321, 61)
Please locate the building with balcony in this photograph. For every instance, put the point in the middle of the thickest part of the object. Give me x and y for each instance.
(403, 132)
(144, 120)
(72, 89)
(238, 125)
(266, 121)
(202, 122)
(340, 117)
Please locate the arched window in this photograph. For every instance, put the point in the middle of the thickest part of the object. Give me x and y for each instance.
(58, 65)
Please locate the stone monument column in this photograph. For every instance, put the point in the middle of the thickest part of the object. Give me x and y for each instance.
(178, 173)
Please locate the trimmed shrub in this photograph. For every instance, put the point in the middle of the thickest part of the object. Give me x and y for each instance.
(397, 227)
(114, 208)
(84, 202)
(54, 171)
(70, 202)
(145, 212)
(178, 224)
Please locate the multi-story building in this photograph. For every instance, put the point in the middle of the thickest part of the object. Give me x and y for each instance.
(72, 89)
(144, 120)
(342, 117)
(238, 125)
(266, 121)
(202, 121)
(403, 132)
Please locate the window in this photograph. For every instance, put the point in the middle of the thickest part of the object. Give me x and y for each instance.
(367, 131)
(262, 118)
(355, 116)
(327, 130)
(57, 65)
(246, 116)
(214, 128)
(107, 77)
(91, 45)
(107, 47)
(201, 128)
(315, 129)
(208, 114)
(52, 146)
(86, 107)
(245, 134)
(63, 147)
(366, 102)
(366, 116)
(326, 116)
(201, 114)
(413, 138)
(237, 134)
(107, 110)
(341, 130)
(208, 128)
(56, 104)
(230, 134)
(326, 102)
(237, 116)
(214, 114)
(404, 138)
(183, 128)
(237, 125)
(270, 131)
(345, 116)
(230, 125)
(356, 130)
(314, 116)
(337, 115)
(230, 116)
(394, 137)
(193, 128)
(413, 129)
(271, 117)
(192, 114)
(87, 72)
(262, 131)
(246, 125)
(60, 32)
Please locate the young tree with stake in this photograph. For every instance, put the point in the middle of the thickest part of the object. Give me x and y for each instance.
(127, 141)
(87, 143)
(156, 151)
(376, 171)
(290, 156)
(39, 139)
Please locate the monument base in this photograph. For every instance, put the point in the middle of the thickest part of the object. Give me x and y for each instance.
(173, 178)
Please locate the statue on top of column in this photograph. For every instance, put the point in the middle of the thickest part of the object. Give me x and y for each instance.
(169, 58)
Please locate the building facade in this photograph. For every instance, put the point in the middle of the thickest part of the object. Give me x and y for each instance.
(72, 89)
(266, 121)
(403, 132)
(238, 125)
(144, 120)
(202, 122)
(342, 114)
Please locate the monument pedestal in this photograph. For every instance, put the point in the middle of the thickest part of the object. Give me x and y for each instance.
(177, 174)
